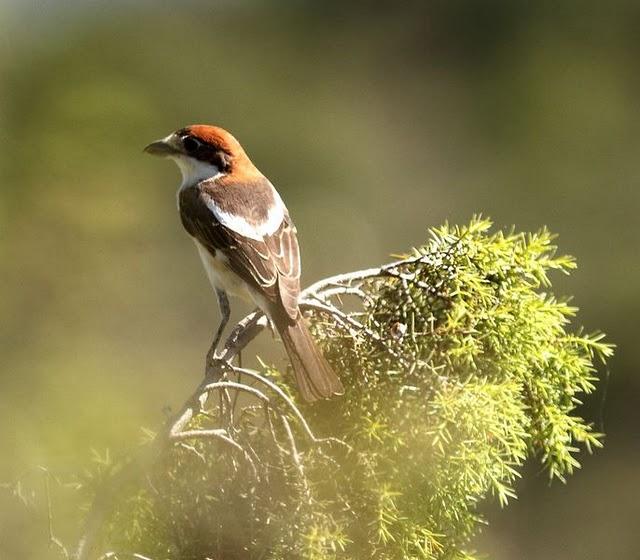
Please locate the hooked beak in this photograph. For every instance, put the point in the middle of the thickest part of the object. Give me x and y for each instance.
(166, 147)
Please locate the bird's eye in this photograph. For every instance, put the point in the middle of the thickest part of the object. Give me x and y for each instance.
(190, 144)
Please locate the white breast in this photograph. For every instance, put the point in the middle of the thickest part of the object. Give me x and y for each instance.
(220, 275)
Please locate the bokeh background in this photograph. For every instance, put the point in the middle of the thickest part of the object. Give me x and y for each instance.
(374, 121)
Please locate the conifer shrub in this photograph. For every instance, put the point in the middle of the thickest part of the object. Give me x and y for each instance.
(459, 365)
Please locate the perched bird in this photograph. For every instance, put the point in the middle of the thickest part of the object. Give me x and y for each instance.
(247, 242)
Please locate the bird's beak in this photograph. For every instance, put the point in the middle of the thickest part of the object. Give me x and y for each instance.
(166, 147)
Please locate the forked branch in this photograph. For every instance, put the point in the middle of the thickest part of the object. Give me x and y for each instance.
(223, 377)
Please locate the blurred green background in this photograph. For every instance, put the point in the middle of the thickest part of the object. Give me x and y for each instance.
(374, 121)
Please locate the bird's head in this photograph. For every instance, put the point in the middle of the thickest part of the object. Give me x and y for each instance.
(202, 152)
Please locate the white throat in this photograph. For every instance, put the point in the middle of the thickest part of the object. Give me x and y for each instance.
(193, 170)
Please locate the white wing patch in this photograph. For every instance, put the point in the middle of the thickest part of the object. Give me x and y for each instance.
(240, 225)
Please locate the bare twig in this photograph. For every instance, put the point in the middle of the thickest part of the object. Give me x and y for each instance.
(220, 435)
(297, 460)
(53, 540)
(176, 432)
(120, 556)
(296, 411)
(355, 327)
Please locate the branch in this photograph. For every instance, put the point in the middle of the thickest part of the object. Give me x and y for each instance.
(317, 297)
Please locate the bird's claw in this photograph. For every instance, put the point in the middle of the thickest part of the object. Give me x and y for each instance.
(215, 365)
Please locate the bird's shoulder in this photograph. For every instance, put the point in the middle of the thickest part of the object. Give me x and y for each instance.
(250, 207)
(252, 197)
(251, 226)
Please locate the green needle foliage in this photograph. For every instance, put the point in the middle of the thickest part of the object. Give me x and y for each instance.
(465, 367)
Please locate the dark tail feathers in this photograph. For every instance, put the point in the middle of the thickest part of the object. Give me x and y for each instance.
(315, 377)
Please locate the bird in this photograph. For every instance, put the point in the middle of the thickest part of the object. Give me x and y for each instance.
(247, 243)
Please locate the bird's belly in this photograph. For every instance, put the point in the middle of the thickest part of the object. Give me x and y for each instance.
(220, 275)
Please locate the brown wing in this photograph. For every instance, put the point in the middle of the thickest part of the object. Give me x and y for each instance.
(270, 265)
(284, 250)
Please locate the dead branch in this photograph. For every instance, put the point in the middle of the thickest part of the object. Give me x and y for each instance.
(317, 297)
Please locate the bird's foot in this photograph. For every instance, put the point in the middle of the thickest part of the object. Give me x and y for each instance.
(272, 327)
(215, 365)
